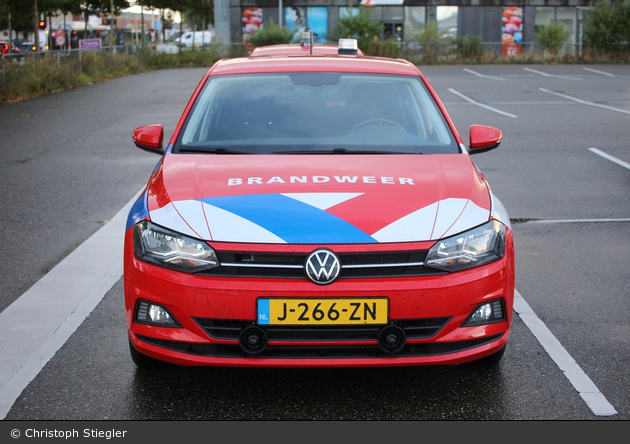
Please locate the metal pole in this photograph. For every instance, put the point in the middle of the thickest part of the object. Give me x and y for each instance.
(280, 13)
(111, 22)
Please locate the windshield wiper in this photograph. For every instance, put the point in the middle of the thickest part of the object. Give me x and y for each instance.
(343, 151)
(211, 150)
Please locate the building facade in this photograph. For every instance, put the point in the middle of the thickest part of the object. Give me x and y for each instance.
(495, 21)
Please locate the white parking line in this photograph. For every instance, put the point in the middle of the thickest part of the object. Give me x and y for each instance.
(576, 221)
(59, 302)
(551, 75)
(585, 102)
(483, 75)
(576, 376)
(598, 72)
(609, 157)
(474, 102)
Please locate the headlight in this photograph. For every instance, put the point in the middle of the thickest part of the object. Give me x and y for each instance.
(169, 249)
(473, 248)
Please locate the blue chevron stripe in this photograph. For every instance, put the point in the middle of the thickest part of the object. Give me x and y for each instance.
(291, 220)
(138, 211)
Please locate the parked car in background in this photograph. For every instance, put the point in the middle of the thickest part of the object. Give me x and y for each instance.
(15, 47)
(27, 47)
(197, 38)
(5, 48)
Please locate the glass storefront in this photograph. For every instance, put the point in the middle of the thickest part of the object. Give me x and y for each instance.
(403, 23)
(313, 18)
(446, 17)
(570, 17)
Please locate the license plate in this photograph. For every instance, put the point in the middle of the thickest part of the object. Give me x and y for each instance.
(345, 311)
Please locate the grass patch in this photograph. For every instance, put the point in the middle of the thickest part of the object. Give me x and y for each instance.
(35, 74)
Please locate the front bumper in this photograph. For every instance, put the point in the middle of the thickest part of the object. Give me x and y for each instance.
(213, 311)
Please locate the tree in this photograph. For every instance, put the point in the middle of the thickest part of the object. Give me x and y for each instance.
(357, 26)
(200, 13)
(162, 5)
(15, 16)
(174, 5)
(607, 26)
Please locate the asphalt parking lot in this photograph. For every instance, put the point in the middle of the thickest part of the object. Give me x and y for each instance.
(68, 167)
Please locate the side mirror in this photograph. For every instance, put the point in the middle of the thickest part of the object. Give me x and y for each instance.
(484, 138)
(149, 138)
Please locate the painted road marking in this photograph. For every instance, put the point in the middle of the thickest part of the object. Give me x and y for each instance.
(598, 72)
(551, 75)
(483, 75)
(576, 376)
(74, 287)
(572, 221)
(609, 157)
(474, 102)
(585, 102)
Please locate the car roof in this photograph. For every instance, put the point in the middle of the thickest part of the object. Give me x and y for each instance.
(292, 49)
(319, 63)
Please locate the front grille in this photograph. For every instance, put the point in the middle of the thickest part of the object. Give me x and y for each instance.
(413, 328)
(328, 352)
(291, 265)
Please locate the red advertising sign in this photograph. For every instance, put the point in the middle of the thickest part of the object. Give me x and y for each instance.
(512, 31)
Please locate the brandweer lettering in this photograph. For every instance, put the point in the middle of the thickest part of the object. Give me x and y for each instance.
(321, 179)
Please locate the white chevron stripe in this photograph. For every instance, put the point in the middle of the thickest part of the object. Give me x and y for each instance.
(448, 213)
(168, 217)
(229, 227)
(323, 201)
(415, 226)
(441, 219)
(472, 216)
(192, 212)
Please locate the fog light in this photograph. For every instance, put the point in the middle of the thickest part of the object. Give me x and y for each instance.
(148, 313)
(487, 313)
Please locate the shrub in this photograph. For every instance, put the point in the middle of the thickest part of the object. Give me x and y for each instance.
(552, 37)
(271, 34)
(387, 48)
(470, 48)
(607, 27)
(434, 45)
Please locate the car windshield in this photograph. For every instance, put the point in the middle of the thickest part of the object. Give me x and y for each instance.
(315, 113)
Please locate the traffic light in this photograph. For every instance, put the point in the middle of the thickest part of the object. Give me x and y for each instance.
(42, 24)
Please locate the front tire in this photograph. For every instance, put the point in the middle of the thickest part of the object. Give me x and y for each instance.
(491, 360)
(143, 362)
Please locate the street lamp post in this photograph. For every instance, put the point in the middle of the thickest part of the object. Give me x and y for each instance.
(111, 22)
(280, 13)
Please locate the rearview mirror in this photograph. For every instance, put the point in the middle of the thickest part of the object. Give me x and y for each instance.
(149, 138)
(484, 138)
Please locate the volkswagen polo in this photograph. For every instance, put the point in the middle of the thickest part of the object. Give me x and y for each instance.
(317, 210)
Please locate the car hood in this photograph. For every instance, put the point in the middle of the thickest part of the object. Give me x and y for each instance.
(317, 199)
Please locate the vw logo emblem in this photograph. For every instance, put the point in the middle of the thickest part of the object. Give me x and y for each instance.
(322, 267)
